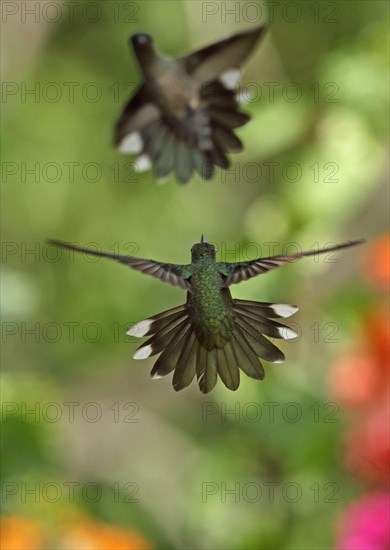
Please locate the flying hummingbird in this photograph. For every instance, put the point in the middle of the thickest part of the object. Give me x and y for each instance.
(211, 334)
(182, 117)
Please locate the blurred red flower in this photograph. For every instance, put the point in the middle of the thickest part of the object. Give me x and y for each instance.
(365, 524)
(361, 377)
(368, 445)
(360, 382)
(377, 264)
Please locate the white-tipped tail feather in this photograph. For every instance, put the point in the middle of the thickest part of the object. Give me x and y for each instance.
(173, 336)
(143, 163)
(140, 329)
(230, 78)
(132, 143)
(283, 310)
(287, 333)
(143, 353)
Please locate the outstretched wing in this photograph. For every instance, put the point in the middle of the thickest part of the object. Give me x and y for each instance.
(177, 275)
(138, 113)
(241, 271)
(209, 63)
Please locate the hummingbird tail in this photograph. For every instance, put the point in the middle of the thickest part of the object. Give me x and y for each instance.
(197, 142)
(174, 337)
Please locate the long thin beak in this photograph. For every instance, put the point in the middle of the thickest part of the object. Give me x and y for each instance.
(202, 239)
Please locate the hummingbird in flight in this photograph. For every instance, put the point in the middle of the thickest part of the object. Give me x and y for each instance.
(182, 117)
(212, 334)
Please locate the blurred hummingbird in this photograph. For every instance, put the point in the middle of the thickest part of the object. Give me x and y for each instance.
(183, 115)
(211, 334)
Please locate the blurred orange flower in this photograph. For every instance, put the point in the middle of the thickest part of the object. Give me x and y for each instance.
(377, 264)
(89, 535)
(20, 533)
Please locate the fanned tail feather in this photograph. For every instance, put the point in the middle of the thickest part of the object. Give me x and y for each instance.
(172, 335)
(206, 369)
(198, 142)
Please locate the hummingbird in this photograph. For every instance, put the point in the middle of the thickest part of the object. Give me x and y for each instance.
(212, 334)
(182, 117)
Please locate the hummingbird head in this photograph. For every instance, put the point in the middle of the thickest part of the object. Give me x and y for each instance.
(203, 250)
(142, 44)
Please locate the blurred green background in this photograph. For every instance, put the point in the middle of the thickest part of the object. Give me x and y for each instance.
(334, 56)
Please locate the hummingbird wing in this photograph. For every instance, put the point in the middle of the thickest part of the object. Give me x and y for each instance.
(174, 274)
(211, 62)
(138, 114)
(241, 271)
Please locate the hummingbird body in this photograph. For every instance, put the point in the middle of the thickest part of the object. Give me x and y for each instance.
(183, 116)
(210, 306)
(212, 334)
(171, 89)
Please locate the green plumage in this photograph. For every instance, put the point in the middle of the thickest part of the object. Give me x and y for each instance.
(212, 334)
(210, 307)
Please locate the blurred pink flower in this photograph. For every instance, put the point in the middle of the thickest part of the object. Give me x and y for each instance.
(365, 524)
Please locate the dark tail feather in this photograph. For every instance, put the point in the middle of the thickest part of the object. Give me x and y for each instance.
(164, 162)
(203, 163)
(154, 139)
(246, 358)
(265, 326)
(206, 369)
(159, 341)
(186, 366)
(225, 138)
(184, 164)
(252, 323)
(228, 118)
(224, 116)
(157, 322)
(167, 361)
(263, 347)
(227, 367)
(269, 310)
(217, 156)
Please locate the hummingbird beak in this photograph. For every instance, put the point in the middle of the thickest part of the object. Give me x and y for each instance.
(202, 239)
